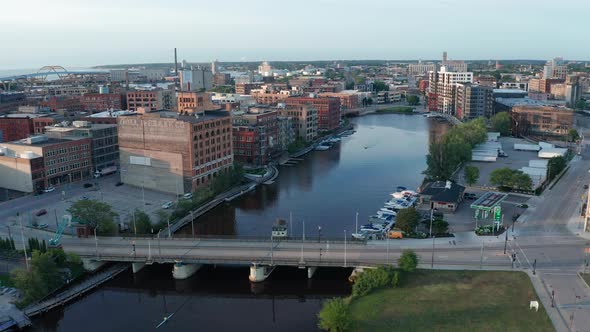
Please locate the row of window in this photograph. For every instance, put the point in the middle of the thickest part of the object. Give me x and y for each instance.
(70, 149)
(66, 168)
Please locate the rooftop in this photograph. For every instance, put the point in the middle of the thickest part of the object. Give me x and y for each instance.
(443, 191)
(205, 116)
(48, 142)
(511, 102)
(488, 200)
(112, 114)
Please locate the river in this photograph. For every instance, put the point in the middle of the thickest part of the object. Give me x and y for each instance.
(324, 189)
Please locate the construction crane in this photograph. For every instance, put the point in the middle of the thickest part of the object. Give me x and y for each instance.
(66, 222)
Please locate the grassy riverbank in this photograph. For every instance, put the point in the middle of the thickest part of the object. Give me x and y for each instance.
(451, 301)
(397, 109)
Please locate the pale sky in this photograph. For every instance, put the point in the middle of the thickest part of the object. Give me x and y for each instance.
(76, 33)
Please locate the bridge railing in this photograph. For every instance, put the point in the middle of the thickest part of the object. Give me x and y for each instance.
(235, 238)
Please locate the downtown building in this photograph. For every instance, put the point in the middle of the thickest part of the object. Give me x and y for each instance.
(304, 120)
(328, 109)
(196, 79)
(473, 101)
(255, 136)
(175, 153)
(442, 87)
(151, 100)
(541, 120)
(38, 162)
(97, 102)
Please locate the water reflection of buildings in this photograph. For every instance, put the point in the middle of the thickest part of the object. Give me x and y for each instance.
(219, 221)
(436, 129)
(258, 200)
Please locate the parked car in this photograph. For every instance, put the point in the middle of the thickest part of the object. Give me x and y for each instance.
(83, 198)
(469, 196)
(87, 185)
(48, 189)
(187, 196)
(523, 205)
(167, 205)
(43, 226)
(40, 212)
(118, 184)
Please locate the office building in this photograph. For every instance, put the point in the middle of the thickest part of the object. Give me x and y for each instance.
(175, 153)
(97, 102)
(541, 120)
(255, 136)
(555, 68)
(265, 69)
(38, 162)
(196, 79)
(573, 90)
(442, 87)
(194, 102)
(151, 100)
(305, 120)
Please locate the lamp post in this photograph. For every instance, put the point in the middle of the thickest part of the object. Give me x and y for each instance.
(505, 241)
(319, 233)
(432, 259)
(192, 223)
(96, 241)
(22, 235)
(159, 247)
(344, 248)
(134, 224)
(169, 231)
(356, 223)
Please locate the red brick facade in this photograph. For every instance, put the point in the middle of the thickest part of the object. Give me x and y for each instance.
(328, 110)
(101, 102)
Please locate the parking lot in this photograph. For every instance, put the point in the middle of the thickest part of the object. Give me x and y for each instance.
(124, 199)
(515, 160)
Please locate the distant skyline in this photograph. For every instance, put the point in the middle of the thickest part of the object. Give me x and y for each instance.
(80, 33)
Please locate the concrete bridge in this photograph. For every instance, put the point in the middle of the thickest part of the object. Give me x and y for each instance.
(263, 255)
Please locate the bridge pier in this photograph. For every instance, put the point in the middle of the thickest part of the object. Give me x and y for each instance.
(311, 271)
(183, 271)
(92, 265)
(136, 267)
(259, 273)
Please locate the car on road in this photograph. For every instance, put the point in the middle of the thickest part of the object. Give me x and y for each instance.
(469, 196)
(87, 185)
(43, 226)
(40, 212)
(187, 196)
(523, 205)
(48, 189)
(118, 184)
(167, 205)
(83, 198)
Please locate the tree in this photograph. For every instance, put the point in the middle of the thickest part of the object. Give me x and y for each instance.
(142, 223)
(471, 174)
(42, 278)
(413, 100)
(408, 261)
(581, 104)
(440, 226)
(335, 316)
(506, 177)
(379, 86)
(501, 177)
(95, 214)
(555, 166)
(521, 180)
(407, 219)
(573, 135)
(501, 123)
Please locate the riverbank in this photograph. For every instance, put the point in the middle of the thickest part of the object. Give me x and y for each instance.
(396, 110)
(452, 301)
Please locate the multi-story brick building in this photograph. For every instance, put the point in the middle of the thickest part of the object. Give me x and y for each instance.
(305, 120)
(543, 85)
(328, 109)
(174, 153)
(64, 102)
(97, 102)
(10, 101)
(255, 136)
(194, 102)
(541, 120)
(348, 99)
(38, 162)
(246, 88)
(151, 100)
(15, 126)
(221, 78)
(286, 131)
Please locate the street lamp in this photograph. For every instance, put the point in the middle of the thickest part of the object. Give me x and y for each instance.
(96, 241)
(192, 223)
(22, 235)
(319, 233)
(344, 248)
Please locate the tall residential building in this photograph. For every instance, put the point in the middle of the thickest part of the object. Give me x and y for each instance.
(151, 100)
(473, 101)
(573, 90)
(194, 102)
(175, 153)
(441, 89)
(255, 135)
(555, 68)
(38, 162)
(214, 67)
(305, 120)
(453, 65)
(196, 79)
(265, 69)
(328, 109)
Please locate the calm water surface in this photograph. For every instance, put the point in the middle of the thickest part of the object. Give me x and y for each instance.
(325, 189)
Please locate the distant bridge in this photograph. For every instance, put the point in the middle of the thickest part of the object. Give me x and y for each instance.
(41, 76)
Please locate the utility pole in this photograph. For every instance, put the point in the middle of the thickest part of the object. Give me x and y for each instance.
(192, 223)
(481, 259)
(534, 266)
(344, 248)
(303, 229)
(169, 231)
(291, 223)
(96, 241)
(432, 259)
(134, 224)
(159, 247)
(356, 223)
(22, 235)
(149, 250)
(505, 241)
(431, 217)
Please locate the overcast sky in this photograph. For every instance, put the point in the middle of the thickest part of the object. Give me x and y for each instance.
(74, 33)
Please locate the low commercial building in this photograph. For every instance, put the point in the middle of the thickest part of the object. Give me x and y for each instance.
(442, 195)
(175, 153)
(541, 120)
(38, 162)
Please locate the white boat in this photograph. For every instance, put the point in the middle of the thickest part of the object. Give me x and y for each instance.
(359, 236)
(322, 147)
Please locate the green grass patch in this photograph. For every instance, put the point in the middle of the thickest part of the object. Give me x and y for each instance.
(452, 301)
(397, 109)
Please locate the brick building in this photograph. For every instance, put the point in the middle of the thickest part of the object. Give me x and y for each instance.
(64, 102)
(255, 136)
(328, 109)
(541, 120)
(15, 126)
(194, 102)
(101, 102)
(174, 153)
(39, 161)
(305, 120)
(347, 100)
(151, 100)
(543, 84)
(246, 88)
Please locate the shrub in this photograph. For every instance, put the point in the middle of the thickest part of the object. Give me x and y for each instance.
(408, 261)
(373, 279)
(335, 316)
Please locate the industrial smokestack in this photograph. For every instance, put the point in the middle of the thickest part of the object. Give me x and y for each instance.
(175, 62)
